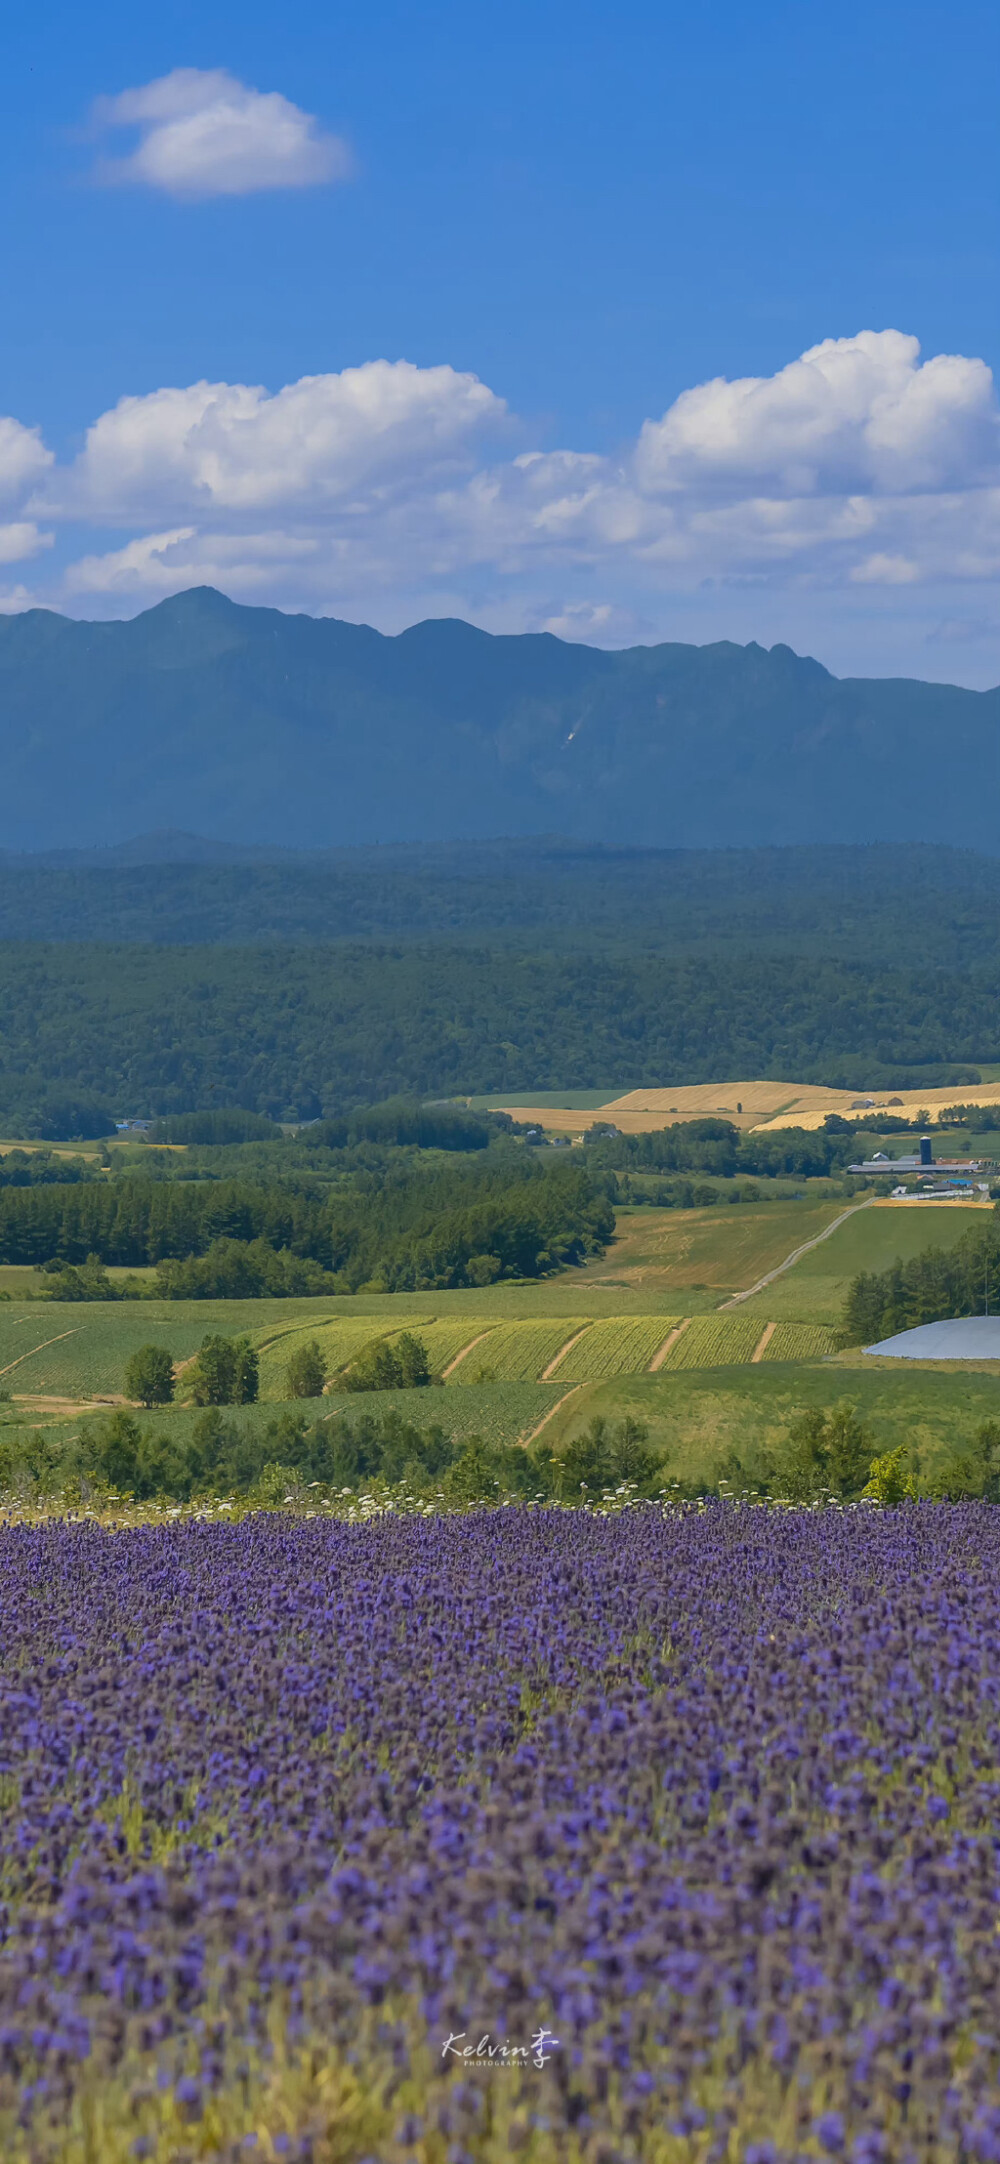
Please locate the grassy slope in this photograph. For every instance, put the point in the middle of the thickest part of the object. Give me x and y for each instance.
(691, 1259)
(698, 1415)
(813, 1290)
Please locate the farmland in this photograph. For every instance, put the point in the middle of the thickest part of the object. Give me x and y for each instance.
(693, 1259)
(714, 1341)
(728, 1375)
(815, 1288)
(698, 1416)
(614, 1348)
(517, 1352)
(798, 1341)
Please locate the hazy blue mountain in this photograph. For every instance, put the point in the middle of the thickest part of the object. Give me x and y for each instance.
(251, 726)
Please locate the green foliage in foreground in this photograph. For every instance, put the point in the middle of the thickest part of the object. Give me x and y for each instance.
(220, 1455)
(930, 1287)
(831, 1456)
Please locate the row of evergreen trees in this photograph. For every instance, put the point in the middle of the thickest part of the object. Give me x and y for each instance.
(931, 1287)
(469, 1222)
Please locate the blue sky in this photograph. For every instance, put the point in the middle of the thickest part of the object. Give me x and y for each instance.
(592, 212)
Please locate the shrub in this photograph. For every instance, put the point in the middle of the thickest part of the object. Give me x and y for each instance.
(603, 1458)
(403, 1366)
(149, 1376)
(225, 1372)
(305, 1373)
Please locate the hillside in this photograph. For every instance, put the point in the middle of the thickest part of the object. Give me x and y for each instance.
(250, 725)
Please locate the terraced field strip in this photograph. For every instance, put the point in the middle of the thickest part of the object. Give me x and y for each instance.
(659, 1358)
(339, 1343)
(446, 1341)
(517, 1351)
(798, 1341)
(712, 1341)
(620, 1345)
(563, 1350)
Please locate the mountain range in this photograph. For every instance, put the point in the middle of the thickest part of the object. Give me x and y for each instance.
(252, 726)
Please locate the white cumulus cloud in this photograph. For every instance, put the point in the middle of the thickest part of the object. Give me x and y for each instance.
(20, 539)
(851, 414)
(24, 458)
(203, 133)
(163, 563)
(234, 447)
(390, 491)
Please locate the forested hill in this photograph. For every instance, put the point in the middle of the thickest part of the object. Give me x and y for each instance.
(888, 906)
(256, 726)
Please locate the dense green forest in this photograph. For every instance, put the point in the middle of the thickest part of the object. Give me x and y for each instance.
(879, 902)
(87, 1033)
(716, 1146)
(302, 987)
(930, 1287)
(413, 1224)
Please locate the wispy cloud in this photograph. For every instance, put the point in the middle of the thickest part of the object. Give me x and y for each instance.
(202, 133)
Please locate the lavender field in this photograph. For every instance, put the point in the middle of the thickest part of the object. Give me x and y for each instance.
(666, 1835)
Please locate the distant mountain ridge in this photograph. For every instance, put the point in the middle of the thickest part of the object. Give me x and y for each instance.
(257, 728)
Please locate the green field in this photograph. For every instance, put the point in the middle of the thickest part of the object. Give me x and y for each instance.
(799, 1341)
(699, 1415)
(714, 1341)
(813, 1290)
(688, 1261)
(517, 1352)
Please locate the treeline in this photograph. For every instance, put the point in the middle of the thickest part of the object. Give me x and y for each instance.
(468, 1223)
(931, 1287)
(45, 1168)
(716, 1146)
(294, 1033)
(398, 1123)
(290, 1456)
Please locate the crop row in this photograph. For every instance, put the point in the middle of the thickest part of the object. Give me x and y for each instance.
(715, 1341)
(517, 1351)
(798, 1341)
(616, 1346)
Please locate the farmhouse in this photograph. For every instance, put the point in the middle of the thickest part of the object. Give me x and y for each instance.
(945, 1168)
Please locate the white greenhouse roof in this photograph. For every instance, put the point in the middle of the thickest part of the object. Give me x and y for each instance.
(969, 1337)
